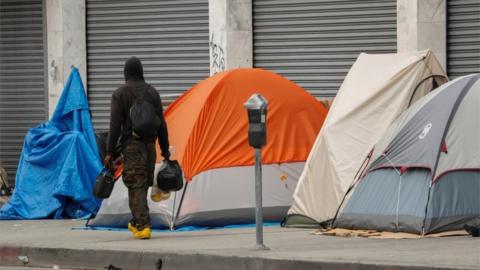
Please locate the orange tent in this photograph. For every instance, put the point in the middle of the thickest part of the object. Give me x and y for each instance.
(208, 124)
(208, 129)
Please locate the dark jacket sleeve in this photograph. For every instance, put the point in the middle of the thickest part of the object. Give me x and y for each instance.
(163, 130)
(117, 118)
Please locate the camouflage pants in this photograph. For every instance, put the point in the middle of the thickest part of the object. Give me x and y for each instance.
(139, 164)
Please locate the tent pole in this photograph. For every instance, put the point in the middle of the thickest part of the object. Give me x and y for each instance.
(175, 216)
(172, 222)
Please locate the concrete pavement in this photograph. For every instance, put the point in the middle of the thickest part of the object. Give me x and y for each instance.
(29, 268)
(47, 243)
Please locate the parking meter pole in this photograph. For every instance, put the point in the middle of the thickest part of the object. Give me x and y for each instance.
(258, 199)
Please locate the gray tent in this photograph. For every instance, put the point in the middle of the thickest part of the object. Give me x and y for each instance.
(425, 172)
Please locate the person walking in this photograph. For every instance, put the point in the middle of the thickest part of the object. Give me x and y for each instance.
(137, 151)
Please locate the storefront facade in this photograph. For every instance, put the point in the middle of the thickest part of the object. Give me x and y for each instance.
(311, 42)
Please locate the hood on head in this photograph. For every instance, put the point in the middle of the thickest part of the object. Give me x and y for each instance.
(133, 69)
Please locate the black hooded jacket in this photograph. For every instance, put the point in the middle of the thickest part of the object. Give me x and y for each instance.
(123, 98)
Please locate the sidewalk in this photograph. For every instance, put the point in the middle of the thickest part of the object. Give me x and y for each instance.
(48, 243)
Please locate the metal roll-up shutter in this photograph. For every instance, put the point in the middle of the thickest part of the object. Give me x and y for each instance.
(315, 42)
(463, 37)
(170, 37)
(23, 98)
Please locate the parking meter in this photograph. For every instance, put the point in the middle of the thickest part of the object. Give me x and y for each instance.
(256, 107)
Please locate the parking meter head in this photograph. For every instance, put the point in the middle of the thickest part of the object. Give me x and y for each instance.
(256, 102)
(256, 107)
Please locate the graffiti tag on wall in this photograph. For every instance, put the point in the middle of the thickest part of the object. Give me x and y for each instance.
(217, 57)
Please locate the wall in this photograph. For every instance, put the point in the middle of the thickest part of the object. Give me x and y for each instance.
(66, 44)
(422, 24)
(231, 36)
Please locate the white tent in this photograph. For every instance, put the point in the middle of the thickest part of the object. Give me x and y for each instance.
(377, 89)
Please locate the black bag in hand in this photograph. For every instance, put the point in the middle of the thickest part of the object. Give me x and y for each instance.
(170, 178)
(103, 184)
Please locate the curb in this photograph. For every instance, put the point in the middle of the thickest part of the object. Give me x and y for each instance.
(126, 260)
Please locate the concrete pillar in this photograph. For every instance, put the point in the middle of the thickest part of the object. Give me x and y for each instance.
(66, 44)
(231, 35)
(422, 24)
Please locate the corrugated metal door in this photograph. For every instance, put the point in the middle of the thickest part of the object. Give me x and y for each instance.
(170, 37)
(315, 42)
(23, 99)
(463, 37)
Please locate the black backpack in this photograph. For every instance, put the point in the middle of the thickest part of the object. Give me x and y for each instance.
(170, 178)
(144, 118)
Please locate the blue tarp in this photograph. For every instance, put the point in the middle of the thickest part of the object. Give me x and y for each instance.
(59, 163)
(181, 229)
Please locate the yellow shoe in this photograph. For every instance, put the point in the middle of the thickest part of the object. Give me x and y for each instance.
(132, 228)
(146, 233)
